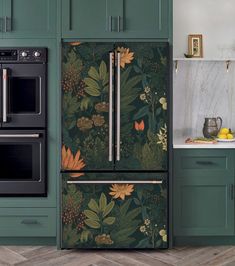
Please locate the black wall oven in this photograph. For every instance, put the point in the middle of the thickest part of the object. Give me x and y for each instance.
(23, 121)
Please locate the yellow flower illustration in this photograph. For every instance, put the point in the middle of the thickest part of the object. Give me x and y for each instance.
(121, 191)
(75, 43)
(163, 234)
(163, 103)
(126, 56)
(103, 240)
(69, 162)
(102, 107)
(162, 137)
(147, 222)
(98, 120)
(142, 229)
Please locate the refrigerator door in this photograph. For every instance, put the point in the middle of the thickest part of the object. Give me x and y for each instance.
(142, 74)
(87, 106)
(128, 212)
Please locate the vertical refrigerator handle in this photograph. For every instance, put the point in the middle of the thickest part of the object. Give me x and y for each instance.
(4, 94)
(111, 54)
(118, 139)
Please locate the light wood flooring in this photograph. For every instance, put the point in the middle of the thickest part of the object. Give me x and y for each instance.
(182, 256)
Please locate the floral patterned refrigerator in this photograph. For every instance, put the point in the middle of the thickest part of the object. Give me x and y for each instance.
(114, 145)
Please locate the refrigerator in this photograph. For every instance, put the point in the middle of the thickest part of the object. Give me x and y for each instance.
(115, 145)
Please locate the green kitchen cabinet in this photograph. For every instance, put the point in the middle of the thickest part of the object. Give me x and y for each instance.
(28, 19)
(115, 19)
(203, 193)
(1, 20)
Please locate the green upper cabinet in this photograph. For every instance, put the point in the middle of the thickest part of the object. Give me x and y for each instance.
(115, 19)
(1, 20)
(28, 19)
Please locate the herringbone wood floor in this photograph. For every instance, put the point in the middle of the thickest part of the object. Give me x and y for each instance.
(182, 256)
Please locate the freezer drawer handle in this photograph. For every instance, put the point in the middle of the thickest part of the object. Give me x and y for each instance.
(4, 94)
(118, 104)
(19, 135)
(116, 182)
(111, 106)
(29, 221)
(204, 162)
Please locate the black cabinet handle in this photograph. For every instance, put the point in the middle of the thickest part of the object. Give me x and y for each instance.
(232, 192)
(29, 221)
(204, 162)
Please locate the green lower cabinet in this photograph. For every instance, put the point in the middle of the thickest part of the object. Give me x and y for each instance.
(27, 222)
(114, 215)
(203, 193)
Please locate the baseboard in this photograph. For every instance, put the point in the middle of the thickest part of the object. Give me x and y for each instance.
(24, 241)
(204, 240)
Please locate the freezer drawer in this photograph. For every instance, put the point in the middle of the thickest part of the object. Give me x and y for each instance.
(113, 214)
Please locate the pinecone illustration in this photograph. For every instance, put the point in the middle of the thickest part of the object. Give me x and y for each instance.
(70, 79)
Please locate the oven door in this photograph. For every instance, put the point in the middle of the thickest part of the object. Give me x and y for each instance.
(22, 162)
(23, 95)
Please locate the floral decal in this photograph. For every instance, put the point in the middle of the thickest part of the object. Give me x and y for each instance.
(121, 191)
(69, 162)
(85, 108)
(116, 216)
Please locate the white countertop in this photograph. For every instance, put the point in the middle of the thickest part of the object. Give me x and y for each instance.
(180, 144)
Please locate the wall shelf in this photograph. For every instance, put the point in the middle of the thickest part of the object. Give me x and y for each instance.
(204, 59)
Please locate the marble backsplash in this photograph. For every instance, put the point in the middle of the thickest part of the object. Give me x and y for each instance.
(202, 89)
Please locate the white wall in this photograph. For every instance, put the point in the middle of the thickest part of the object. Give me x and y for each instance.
(215, 19)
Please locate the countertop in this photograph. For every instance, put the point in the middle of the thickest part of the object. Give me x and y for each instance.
(180, 144)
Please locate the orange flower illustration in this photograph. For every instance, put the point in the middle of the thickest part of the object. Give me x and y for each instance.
(121, 191)
(139, 126)
(75, 43)
(126, 56)
(69, 162)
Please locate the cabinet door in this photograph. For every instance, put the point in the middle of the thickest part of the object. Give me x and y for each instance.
(2, 24)
(30, 18)
(86, 109)
(145, 19)
(204, 206)
(114, 215)
(89, 18)
(143, 106)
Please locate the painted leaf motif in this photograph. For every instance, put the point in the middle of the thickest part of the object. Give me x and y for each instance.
(93, 206)
(91, 83)
(92, 223)
(144, 243)
(122, 234)
(133, 213)
(84, 104)
(132, 82)
(125, 76)
(103, 70)
(92, 91)
(102, 202)
(124, 208)
(108, 208)
(91, 215)
(141, 113)
(109, 220)
(93, 73)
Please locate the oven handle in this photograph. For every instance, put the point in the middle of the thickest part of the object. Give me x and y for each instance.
(19, 135)
(4, 94)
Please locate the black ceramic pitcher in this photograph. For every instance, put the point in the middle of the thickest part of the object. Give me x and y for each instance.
(211, 127)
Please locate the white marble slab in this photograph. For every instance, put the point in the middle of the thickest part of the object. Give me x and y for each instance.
(202, 89)
(179, 143)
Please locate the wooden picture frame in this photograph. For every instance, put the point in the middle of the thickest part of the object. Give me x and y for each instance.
(195, 47)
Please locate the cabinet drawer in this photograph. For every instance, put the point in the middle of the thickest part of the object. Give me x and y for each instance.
(192, 163)
(30, 222)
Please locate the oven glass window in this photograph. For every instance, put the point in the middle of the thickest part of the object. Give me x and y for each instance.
(19, 162)
(24, 95)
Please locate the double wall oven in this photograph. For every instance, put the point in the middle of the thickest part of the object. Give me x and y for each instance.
(23, 121)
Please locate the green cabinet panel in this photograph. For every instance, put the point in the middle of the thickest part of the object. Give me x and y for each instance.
(20, 222)
(1, 18)
(204, 207)
(203, 194)
(29, 18)
(203, 162)
(114, 215)
(115, 19)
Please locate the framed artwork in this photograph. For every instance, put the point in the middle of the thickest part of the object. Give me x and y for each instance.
(195, 47)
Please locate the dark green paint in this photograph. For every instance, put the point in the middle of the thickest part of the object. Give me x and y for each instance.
(203, 193)
(15, 222)
(93, 217)
(29, 18)
(138, 19)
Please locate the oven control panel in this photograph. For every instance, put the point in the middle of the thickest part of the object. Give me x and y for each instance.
(23, 55)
